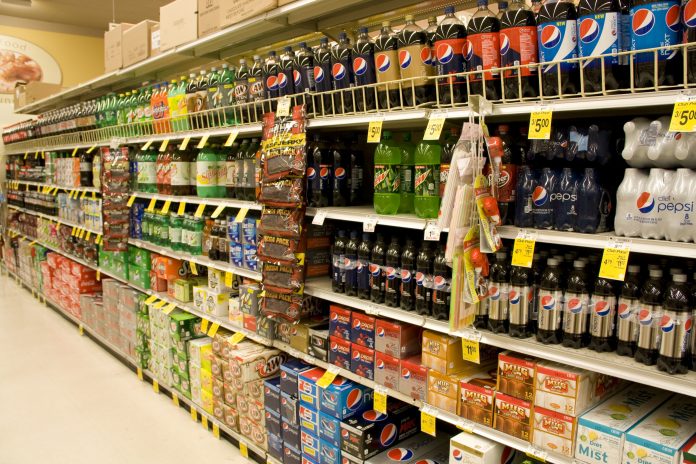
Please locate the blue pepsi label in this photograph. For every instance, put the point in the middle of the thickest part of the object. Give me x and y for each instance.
(342, 74)
(655, 25)
(450, 57)
(599, 34)
(625, 22)
(322, 77)
(558, 40)
(286, 85)
(364, 69)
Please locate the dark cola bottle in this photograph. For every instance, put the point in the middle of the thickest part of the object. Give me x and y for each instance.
(270, 75)
(518, 47)
(450, 40)
(342, 73)
(387, 67)
(483, 52)
(303, 75)
(286, 69)
(322, 77)
(415, 62)
(599, 33)
(558, 40)
(364, 71)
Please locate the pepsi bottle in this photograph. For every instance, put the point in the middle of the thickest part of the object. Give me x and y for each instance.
(498, 292)
(449, 41)
(408, 276)
(649, 311)
(626, 322)
(518, 46)
(656, 24)
(576, 307)
(442, 275)
(524, 192)
(286, 72)
(549, 304)
(341, 174)
(595, 206)
(363, 267)
(565, 201)
(675, 327)
(542, 206)
(270, 75)
(364, 71)
(303, 75)
(599, 33)
(387, 67)
(415, 61)
(378, 261)
(322, 76)
(319, 173)
(342, 72)
(350, 263)
(558, 40)
(521, 301)
(603, 316)
(483, 52)
(338, 280)
(392, 286)
(424, 280)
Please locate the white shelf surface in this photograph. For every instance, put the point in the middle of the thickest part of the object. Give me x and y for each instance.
(56, 219)
(193, 200)
(60, 187)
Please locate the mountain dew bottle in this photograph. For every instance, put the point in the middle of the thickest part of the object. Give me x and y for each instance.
(427, 183)
(387, 175)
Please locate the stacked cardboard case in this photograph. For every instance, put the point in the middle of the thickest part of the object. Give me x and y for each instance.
(160, 347)
(66, 280)
(183, 328)
(200, 372)
(142, 335)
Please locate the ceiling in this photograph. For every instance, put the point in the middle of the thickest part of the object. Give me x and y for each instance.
(94, 15)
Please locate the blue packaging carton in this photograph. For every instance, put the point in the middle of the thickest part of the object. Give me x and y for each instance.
(249, 230)
(289, 371)
(309, 420)
(271, 394)
(234, 229)
(291, 455)
(328, 453)
(310, 445)
(329, 429)
(272, 422)
(236, 254)
(251, 262)
(307, 388)
(289, 408)
(290, 434)
(344, 398)
(275, 446)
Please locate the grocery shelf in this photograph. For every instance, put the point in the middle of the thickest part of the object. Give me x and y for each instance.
(637, 245)
(193, 200)
(364, 214)
(55, 249)
(243, 129)
(56, 219)
(60, 187)
(203, 261)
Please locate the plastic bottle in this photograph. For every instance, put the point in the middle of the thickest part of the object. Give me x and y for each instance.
(688, 25)
(250, 170)
(524, 193)
(363, 267)
(255, 81)
(342, 73)
(286, 68)
(498, 295)
(599, 33)
(338, 252)
(147, 171)
(627, 309)
(271, 68)
(442, 276)
(213, 90)
(85, 169)
(378, 258)
(680, 225)
(652, 219)
(363, 68)
(407, 167)
(558, 39)
(322, 77)
(603, 316)
(223, 243)
(550, 304)
(649, 314)
(191, 96)
(392, 286)
(675, 325)
(340, 168)
(565, 201)
(450, 40)
(213, 245)
(227, 84)
(521, 300)
(202, 99)
(427, 181)
(387, 175)
(241, 84)
(541, 199)
(221, 189)
(175, 227)
(626, 222)
(594, 210)
(304, 73)
(231, 163)
(239, 168)
(502, 8)
(357, 173)
(96, 171)
(350, 264)
(184, 117)
(424, 280)
(387, 66)
(483, 52)
(415, 62)
(408, 276)
(319, 159)
(167, 171)
(206, 173)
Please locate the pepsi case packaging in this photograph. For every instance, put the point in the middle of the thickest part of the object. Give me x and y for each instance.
(307, 388)
(289, 371)
(272, 422)
(275, 446)
(387, 370)
(310, 445)
(414, 449)
(319, 344)
(348, 459)
(344, 398)
(339, 322)
(290, 434)
(371, 432)
(362, 329)
(362, 361)
(291, 455)
(309, 420)
(306, 460)
(289, 409)
(271, 394)
(328, 453)
(329, 429)
(397, 339)
(469, 448)
(340, 352)
(414, 378)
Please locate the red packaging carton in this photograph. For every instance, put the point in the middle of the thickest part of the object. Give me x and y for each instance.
(396, 339)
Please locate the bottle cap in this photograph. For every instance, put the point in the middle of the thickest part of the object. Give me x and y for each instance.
(386, 23)
(633, 269)
(552, 262)
(408, 18)
(272, 53)
(363, 30)
(481, 2)
(303, 44)
(324, 40)
(578, 264)
(679, 278)
(449, 10)
(287, 49)
(342, 35)
(655, 272)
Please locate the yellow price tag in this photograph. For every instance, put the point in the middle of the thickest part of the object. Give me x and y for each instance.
(169, 308)
(74, 231)
(194, 414)
(241, 215)
(165, 207)
(283, 108)
(683, 116)
(236, 338)
(147, 145)
(328, 377)
(523, 249)
(175, 399)
(380, 400)
(199, 211)
(74, 152)
(204, 422)
(159, 304)
(139, 372)
(163, 146)
(84, 192)
(155, 386)
(243, 449)
(98, 274)
(615, 259)
(194, 269)
(228, 279)
(81, 233)
(428, 422)
(213, 329)
(230, 140)
(540, 125)
(182, 208)
(374, 131)
(151, 299)
(81, 329)
(94, 195)
(436, 122)
(204, 325)
(89, 234)
(26, 154)
(91, 149)
(216, 431)
(217, 211)
(203, 141)
(151, 206)
(185, 142)
(470, 349)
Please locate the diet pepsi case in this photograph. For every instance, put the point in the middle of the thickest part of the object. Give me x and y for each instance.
(542, 204)
(483, 52)
(599, 33)
(449, 42)
(342, 73)
(688, 17)
(680, 221)
(270, 75)
(364, 70)
(675, 328)
(558, 40)
(595, 207)
(286, 73)
(518, 47)
(322, 76)
(628, 196)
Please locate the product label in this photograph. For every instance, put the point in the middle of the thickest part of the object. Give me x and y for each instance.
(256, 89)
(427, 183)
(179, 172)
(231, 179)
(655, 25)
(602, 316)
(676, 333)
(450, 59)
(387, 64)
(518, 46)
(387, 178)
(558, 40)
(599, 34)
(407, 179)
(206, 173)
(416, 61)
(483, 53)
(215, 97)
(147, 172)
(241, 90)
(549, 309)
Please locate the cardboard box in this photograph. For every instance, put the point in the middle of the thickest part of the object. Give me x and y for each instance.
(330, 453)
(362, 329)
(344, 398)
(113, 47)
(467, 448)
(442, 353)
(397, 339)
(362, 361)
(412, 450)
(178, 23)
(155, 40)
(513, 416)
(136, 42)
(208, 17)
(516, 375)
(414, 378)
(443, 391)
(26, 93)
(478, 396)
(554, 431)
(309, 420)
(689, 451)
(387, 370)
(234, 11)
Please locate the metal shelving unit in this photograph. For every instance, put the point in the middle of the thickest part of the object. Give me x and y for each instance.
(60, 187)
(191, 200)
(56, 219)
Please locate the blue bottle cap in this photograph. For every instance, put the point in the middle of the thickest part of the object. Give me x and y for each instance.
(482, 3)
(303, 44)
(342, 35)
(363, 30)
(324, 40)
(449, 10)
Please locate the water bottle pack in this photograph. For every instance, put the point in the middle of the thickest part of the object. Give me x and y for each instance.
(649, 144)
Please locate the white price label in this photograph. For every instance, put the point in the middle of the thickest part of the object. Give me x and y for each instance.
(372, 310)
(370, 223)
(318, 219)
(283, 108)
(471, 334)
(432, 231)
(537, 453)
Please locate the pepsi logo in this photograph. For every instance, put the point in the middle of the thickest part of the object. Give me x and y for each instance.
(575, 305)
(388, 435)
(550, 36)
(672, 18)
(359, 66)
(272, 83)
(375, 270)
(380, 364)
(268, 415)
(297, 77)
(494, 293)
(282, 80)
(329, 397)
(338, 71)
(445, 53)
(540, 196)
(602, 308)
(504, 44)
(356, 356)
(457, 455)
(645, 317)
(334, 347)
(311, 173)
(286, 426)
(329, 453)
(468, 51)
(283, 375)
(380, 332)
(324, 173)
(666, 324)
(405, 276)
(404, 59)
(334, 317)
(689, 14)
(589, 30)
(340, 173)
(426, 55)
(399, 454)
(420, 279)
(645, 202)
(514, 297)
(328, 425)
(405, 374)
(383, 63)
(318, 74)
(548, 302)
(356, 323)
(374, 416)
(391, 273)
(345, 434)
(642, 22)
(687, 325)
(426, 461)
(354, 399)
(439, 282)
(624, 311)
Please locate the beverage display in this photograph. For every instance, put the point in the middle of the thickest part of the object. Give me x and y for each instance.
(518, 47)
(483, 52)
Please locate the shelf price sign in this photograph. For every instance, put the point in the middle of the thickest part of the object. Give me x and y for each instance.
(380, 399)
(684, 116)
(436, 122)
(523, 250)
(374, 131)
(615, 259)
(540, 124)
(470, 346)
(328, 377)
(428, 421)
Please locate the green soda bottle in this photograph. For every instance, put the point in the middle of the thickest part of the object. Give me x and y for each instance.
(408, 162)
(185, 233)
(147, 170)
(182, 105)
(427, 183)
(196, 236)
(121, 110)
(227, 78)
(175, 223)
(387, 175)
(207, 173)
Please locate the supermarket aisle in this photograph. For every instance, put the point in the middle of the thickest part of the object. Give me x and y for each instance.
(66, 400)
